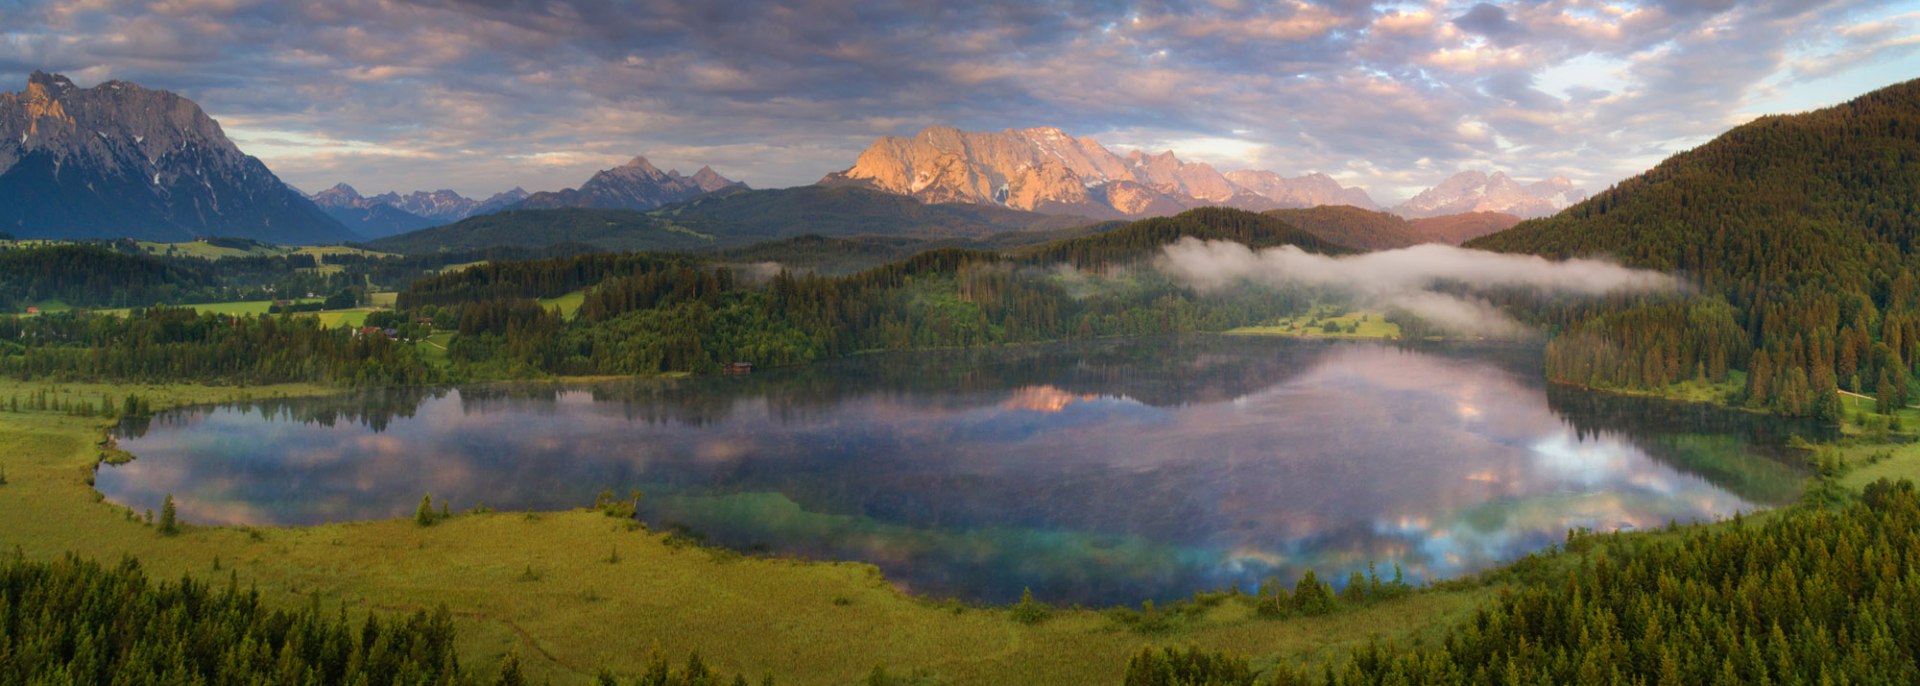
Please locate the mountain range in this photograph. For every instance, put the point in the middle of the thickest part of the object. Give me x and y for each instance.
(1046, 170)
(1472, 191)
(636, 185)
(117, 160)
(390, 213)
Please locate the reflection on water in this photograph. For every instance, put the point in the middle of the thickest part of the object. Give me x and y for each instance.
(1096, 473)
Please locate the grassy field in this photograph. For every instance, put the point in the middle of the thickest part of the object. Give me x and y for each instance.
(336, 318)
(245, 307)
(214, 252)
(52, 306)
(1363, 324)
(205, 250)
(568, 304)
(575, 591)
(330, 318)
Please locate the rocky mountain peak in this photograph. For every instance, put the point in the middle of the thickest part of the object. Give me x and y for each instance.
(55, 85)
(117, 160)
(1045, 169)
(639, 163)
(636, 185)
(709, 180)
(340, 195)
(1476, 191)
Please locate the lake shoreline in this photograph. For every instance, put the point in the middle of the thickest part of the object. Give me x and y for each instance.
(1221, 626)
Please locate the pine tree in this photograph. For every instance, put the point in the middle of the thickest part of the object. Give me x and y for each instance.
(168, 524)
(424, 515)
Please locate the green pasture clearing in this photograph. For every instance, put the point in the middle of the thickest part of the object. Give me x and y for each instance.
(356, 316)
(1363, 324)
(568, 304)
(52, 306)
(205, 250)
(239, 308)
(210, 251)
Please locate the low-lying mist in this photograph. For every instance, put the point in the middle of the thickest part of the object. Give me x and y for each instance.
(1407, 278)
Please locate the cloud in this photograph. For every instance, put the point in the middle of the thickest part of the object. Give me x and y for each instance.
(1489, 21)
(1407, 278)
(1393, 96)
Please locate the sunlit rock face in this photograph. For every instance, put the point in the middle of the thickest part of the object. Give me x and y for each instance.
(1047, 170)
(636, 185)
(119, 160)
(1472, 191)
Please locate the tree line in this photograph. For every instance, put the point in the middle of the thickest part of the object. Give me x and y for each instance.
(1813, 595)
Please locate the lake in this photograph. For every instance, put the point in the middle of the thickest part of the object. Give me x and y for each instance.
(1098, 473)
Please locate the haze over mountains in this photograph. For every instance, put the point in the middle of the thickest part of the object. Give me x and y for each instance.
(636, 185)
(1472, 191)
(390, 213)
(118, 160)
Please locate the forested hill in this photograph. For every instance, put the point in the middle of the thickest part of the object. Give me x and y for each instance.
(598, 228)
(1144, 238)
(1805, 224)
(724, 221)
(1825, 197)
(1349, 225)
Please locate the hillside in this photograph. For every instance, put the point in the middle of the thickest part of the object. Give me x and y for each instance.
(88, 275)
(1454, 229)
(602, 229)
(1830, 196)
(845, 255)
(1806, 225)
(849, 211)
(1350, 226)
(737, 219)
(1373, 230)
(1142, 239)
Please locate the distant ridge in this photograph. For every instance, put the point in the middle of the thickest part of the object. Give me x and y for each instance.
(366, 216)
(726, 220)
(1472, 191)
(636, 185)
(1377, 230)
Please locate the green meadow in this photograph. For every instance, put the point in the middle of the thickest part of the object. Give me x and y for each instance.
(1323, 322)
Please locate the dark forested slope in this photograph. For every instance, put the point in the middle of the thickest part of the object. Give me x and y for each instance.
(1830, 197)
(1806, 224)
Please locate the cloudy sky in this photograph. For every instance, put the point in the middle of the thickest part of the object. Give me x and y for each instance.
(483, 95)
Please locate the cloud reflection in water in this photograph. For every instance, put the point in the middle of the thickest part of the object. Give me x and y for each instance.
(1246, 459)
